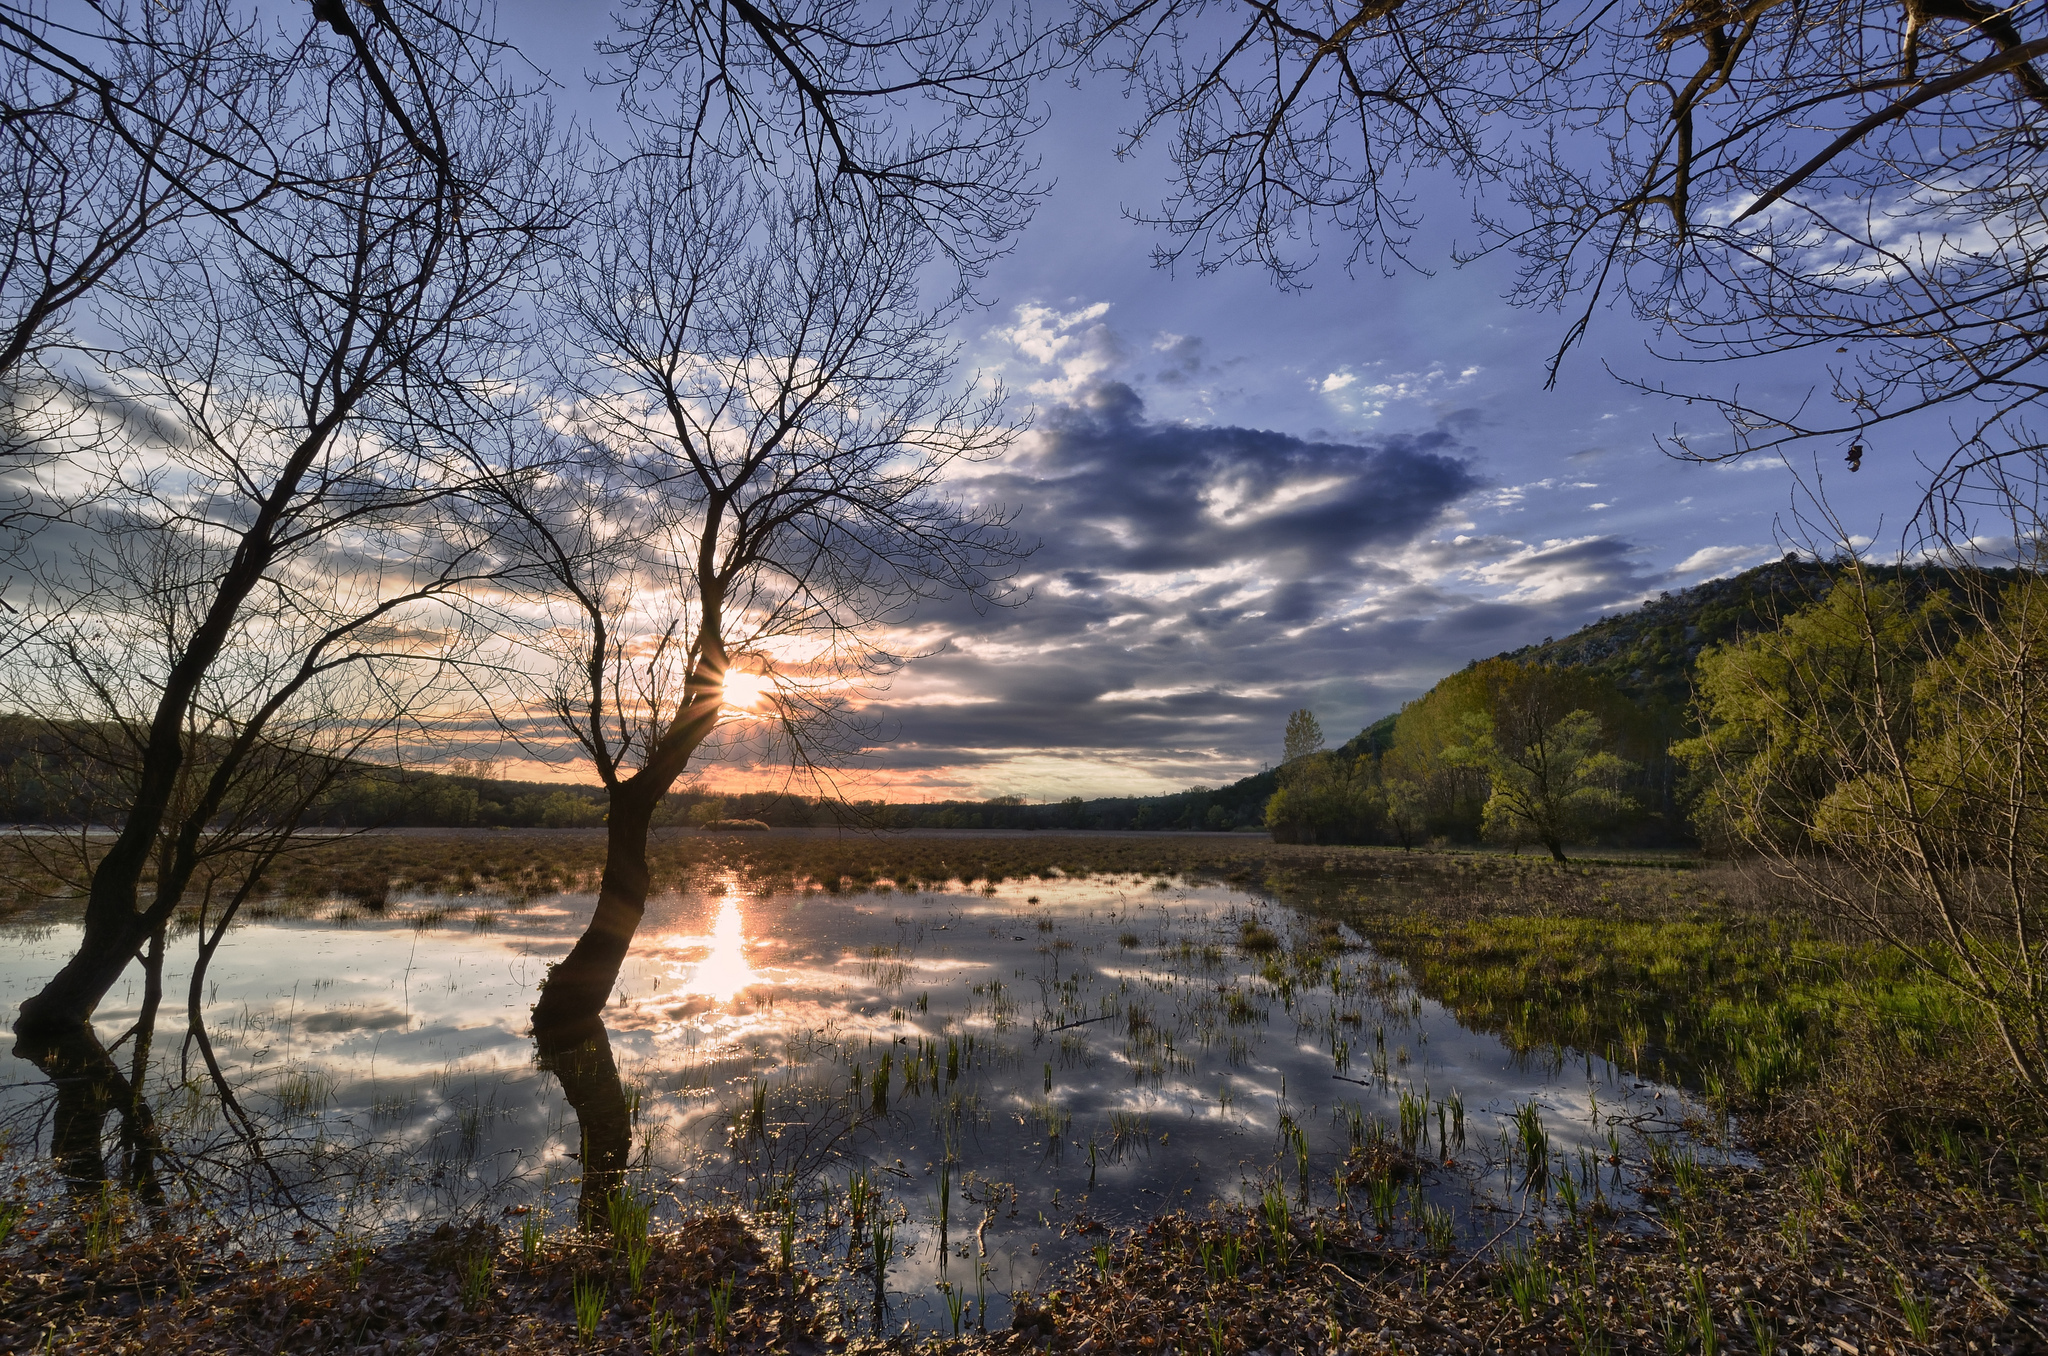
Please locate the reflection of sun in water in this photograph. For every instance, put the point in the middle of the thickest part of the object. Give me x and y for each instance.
(723, 973)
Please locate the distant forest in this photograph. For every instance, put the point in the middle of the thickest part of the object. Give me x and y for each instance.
(52, 776)
(1636, 669)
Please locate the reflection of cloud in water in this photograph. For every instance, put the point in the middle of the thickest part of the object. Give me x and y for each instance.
(424, 1034)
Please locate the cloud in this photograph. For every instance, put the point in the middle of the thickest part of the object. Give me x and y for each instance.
(1569, 570)
(1711, 562)
(1184, 358)
(1072, 349)
(1194, 583)
(1119, 496)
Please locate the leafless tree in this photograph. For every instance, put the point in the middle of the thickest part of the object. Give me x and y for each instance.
(1282, 120)
(304, 398)
(921, 109)
(118, 123)
(1754, 179)
(115, 125)
(762, 415)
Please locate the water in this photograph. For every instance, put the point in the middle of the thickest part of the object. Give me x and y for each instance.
(1057, 1056)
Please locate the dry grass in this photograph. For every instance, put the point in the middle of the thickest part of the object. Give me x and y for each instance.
(448, 1290)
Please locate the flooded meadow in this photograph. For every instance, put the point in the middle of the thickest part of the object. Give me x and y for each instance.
(929, 1095)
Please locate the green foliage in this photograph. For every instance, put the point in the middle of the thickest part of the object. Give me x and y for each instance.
(1780, 709)
(1551, 780)
(1304, 736)
(1326, 797)
(1890, 758)
(1521, 753)
(1759, 1004)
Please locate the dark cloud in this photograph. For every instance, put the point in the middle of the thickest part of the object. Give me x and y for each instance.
(1185, 360)
(1118, 493)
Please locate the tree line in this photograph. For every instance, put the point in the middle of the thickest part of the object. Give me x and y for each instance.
(1501, 751)
(1623, 744)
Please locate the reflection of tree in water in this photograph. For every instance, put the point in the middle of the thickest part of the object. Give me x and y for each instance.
(87, 1085)
(255, 1169)
(579, 1054)
(781, 1139)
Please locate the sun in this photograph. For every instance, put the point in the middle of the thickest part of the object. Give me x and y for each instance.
(747, 691)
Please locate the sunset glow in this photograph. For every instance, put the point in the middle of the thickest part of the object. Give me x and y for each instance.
(747, 691)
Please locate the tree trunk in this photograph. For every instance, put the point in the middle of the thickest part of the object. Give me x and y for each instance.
(579, 1053)
(577, 989)
(114, 926)
(1556, 851)
(65, 1005)
(88, 1085)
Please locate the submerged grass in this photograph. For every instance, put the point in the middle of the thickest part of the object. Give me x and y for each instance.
(1895, 1200)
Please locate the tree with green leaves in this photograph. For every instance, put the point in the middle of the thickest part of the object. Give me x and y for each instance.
(1491, 751)
(1304, 736)
(1888, 761)
(1783, 712)
(1326, 797)
(1553, 780)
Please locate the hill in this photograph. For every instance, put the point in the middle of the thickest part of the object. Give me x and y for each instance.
(1647, 652)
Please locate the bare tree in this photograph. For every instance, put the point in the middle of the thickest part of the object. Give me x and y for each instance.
(305, 397)
(1860, 181)
(118, 123)
(920, 109)
(1285, 119)
(1754, 179)
(764, 416)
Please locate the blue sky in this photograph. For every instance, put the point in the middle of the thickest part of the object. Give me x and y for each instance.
(1247, 500)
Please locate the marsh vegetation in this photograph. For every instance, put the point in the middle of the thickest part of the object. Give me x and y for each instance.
(1082, 1088)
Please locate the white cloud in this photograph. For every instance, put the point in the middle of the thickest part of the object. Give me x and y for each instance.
(1071, 350)
(1714, 561)
(1345, 394)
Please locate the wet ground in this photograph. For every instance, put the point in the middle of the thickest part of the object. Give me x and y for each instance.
(964, 1082)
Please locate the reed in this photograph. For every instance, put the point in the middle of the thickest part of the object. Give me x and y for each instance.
(532, 1239)
(721, 1314)
(1273, 1203)
(1701, 1294)
(587, 1296)
(1914, 1309)
(1525, 1279)
(479, 1269)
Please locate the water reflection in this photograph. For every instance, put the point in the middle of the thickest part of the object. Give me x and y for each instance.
(86, 1087)
(998, 1071)
(579, 1055)
(724, 973)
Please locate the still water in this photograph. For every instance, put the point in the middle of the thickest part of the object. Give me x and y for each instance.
(1005, 1071)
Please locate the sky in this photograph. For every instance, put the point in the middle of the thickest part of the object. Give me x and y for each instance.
(1245, 501)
